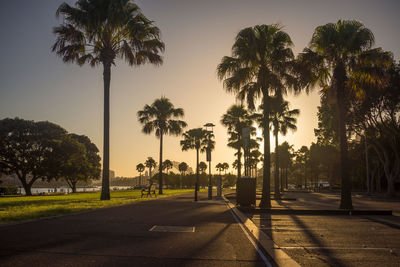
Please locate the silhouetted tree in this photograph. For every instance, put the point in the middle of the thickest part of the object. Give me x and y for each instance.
(235, 119)
(198, 139)
(140, 168)
(159, 117)
(151, 164)
(260, 65)
(98, 32)
(183, 167)
(26, 150)
(330, 59)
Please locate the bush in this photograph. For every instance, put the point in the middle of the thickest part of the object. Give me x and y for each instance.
(8, 190)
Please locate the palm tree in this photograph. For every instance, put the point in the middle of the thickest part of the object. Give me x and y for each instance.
(98, 32)
(235, 119)
(260, 65)
(151, 164)
(183, 167)
(198, 139)
(159, 118)
(219, 167)
(225, 166)
(285, 160)
(167, 165)
(202, 166)
(330, 59)
(283, 120)
(254, 156)
(235, 164)
(140, 168)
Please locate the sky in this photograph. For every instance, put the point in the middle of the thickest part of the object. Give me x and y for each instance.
(36, 85)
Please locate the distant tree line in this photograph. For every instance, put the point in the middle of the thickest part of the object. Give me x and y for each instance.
(44, 150)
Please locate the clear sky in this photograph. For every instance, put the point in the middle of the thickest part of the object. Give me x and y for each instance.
(35, 84)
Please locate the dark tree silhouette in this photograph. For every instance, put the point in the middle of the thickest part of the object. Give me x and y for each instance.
(159, 117)
(98, 32)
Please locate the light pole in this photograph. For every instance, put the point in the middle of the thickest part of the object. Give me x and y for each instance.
(209, 125)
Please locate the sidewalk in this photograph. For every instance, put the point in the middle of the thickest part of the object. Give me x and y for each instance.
(202, 234)
(338, 240)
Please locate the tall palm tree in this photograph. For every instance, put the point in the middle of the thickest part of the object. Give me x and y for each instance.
(261, 64)
(151, 164)
(159, 117)
(202, 166)
(167, 165)
(140, 168)
(198, 139)
(225, 166)
(219, 167)
(282, 120)
(183, 167)
(285, 160)
(235, 119)
(330, 59)
(99, 31)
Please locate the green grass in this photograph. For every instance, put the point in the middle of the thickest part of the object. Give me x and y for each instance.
(19, 208)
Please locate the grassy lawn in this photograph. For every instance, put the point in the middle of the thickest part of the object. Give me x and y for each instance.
(19, 208)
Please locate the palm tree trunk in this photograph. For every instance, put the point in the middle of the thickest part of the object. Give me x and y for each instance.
(286, 181)
(105, 186)
(345, 200)
(266, 188)
(239, 167)
(160, 180)
(196, 186)
(277, 194)
(367, 165)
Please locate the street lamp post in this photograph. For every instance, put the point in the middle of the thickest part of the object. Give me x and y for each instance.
(209, 125)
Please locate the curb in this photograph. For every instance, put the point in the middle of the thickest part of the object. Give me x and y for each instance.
(316, 212)
(274, 251)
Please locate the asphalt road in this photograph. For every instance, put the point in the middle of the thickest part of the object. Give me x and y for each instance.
(120, 236)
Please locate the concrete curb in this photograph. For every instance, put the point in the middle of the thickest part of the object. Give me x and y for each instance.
(316, 212)
(274, 251)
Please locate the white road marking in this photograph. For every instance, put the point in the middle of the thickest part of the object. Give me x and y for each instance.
(266, 261)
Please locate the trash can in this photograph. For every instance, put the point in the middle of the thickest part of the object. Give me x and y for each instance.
(246, 191)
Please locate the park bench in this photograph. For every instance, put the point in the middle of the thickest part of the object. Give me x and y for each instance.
(151, 189)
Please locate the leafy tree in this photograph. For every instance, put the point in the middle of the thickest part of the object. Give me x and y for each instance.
(98, 32)
(151, 164)
(335, 49)
(377, 119)
(26, 149)
(76, 159)
(198, 139)
(302, 157)
(202, 166)
(261, 64)
(159, 117)
(235, 119)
